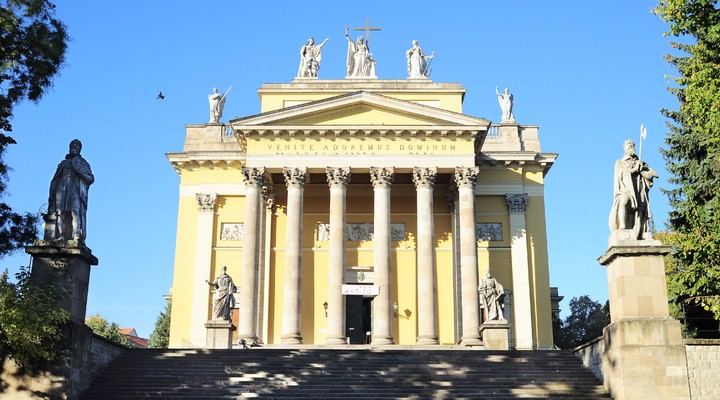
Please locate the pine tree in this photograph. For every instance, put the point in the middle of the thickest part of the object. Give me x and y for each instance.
(160, 336)
(693, 153)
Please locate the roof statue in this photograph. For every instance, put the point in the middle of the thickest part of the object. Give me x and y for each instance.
(506, 105)
(310, 57)
(360, 62)
(217, 103)
(417, 62)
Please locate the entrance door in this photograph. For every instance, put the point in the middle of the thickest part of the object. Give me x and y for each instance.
(358, 318)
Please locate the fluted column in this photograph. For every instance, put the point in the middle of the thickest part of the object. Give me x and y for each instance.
(382, 179)
(338, 179)
(254, 179)
(295, 180)
(424, 179)
(203, 256)
(522, 311)
(465, 179)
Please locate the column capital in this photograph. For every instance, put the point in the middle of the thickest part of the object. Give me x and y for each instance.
(268, 195)
(516, 202)
(254, 176)
(206, 202)
(424, 177)
(339, 176)
(382, 177)
(295, 177)
(466, 176)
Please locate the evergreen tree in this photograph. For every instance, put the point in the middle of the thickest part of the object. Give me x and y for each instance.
(693, 155)
(586, 322)
(161, 334)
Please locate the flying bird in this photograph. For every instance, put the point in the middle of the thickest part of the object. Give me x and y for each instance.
(160, 96)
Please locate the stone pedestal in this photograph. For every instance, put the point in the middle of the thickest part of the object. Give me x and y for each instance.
(644, 354)
(495, 335)
(219, 334)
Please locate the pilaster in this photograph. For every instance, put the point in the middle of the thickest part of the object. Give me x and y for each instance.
(203, 257)
(522, 308)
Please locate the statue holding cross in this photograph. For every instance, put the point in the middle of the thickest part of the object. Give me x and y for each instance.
(360, 62)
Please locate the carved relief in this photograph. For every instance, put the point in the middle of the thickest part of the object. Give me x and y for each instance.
(232, 232)
(491, 232)
(295, 177)
(338, 176)
(424, 177)
(452, 195)
(361, 232)
(206, 202)
(516, 202)
(382, 177)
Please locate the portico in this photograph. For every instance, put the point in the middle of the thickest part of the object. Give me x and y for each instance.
(382, 180)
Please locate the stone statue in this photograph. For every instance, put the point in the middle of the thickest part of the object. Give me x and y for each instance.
(506, 105)
(631, 205)
(67, 204)
(223, 299)
(417, 64)
(217, 103)
(491, 298)
(310, 57)
(359, 60)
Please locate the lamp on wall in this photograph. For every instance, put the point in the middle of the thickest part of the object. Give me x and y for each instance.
(325, 307)
(395, 308)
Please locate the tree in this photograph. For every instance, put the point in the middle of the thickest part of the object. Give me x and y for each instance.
(692, 155)
(586, 322)
(160, 336)
(32, 50)
(32, 327)
(100, 326)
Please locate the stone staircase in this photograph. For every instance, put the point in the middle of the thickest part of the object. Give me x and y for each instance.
(346, 373)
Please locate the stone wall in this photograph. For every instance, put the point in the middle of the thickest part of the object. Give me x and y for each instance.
(591, 355)
(703, 364)
(703, 358)
(89, 358)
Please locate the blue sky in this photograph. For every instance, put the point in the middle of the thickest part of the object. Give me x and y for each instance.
(588, 73)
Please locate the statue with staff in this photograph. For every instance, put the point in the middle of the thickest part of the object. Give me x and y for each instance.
(217, 103)
(632, 181)
(360, 62)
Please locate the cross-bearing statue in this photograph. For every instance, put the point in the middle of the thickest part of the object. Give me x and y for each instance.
(67, 204)
(223, 299)
(491, 298)
(417, 64)
(360, 62)
(310, 57)
(631, 204)
(506, 105)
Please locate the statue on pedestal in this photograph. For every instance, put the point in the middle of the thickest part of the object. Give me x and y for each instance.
(217, 103)
(223, 298)
(360, 62)
(310, 57)
(631, 204)
(67, 204)
(506, 105)
(491, 298)
(417, 64)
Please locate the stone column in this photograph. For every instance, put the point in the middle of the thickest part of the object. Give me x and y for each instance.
(203, 256)
(424, 179)
(644, 356)
(338, 179)
(382, 179)
(522, 310)
(454, 207)
(465, 179)
(295, 180)
(268, 198)
(254, 179)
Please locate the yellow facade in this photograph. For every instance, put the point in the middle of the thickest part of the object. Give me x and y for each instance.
(314, 125)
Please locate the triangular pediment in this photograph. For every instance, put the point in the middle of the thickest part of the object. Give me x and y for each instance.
(360, 108)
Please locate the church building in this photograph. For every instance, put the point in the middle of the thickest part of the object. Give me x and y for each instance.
(363, 211)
